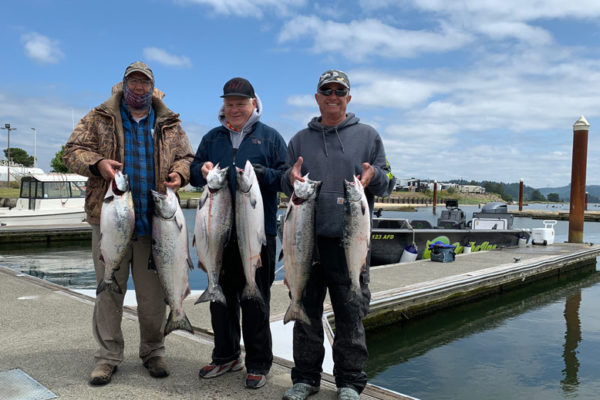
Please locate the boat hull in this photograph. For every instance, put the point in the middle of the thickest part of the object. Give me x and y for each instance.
(54, 217)
(388, 244)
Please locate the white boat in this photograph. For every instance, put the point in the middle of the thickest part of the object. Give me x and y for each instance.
(48, 199)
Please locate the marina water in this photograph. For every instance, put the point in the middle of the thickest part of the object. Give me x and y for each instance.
(538, 342)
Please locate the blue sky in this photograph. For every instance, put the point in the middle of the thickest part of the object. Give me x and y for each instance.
(483, 90)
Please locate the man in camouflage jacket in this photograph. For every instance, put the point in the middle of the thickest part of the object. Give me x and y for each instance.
(133, 131)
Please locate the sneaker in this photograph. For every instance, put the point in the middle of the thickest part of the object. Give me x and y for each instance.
(102, 374)
(300, 391)
(157, 367)
(255, 381)
(346, 393)
(213, 370)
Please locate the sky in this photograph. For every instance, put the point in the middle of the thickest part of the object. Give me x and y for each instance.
(476, 90)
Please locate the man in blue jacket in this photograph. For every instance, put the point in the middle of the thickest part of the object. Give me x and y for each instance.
(243, 137)
(334, 147)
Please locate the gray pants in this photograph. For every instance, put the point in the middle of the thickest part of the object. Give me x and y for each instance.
(108, 309)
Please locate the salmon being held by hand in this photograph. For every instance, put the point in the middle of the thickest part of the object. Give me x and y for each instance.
(170, 256)
(298, 243)
(117, 223)
(250, 227)
(356, 232)
(214, 218)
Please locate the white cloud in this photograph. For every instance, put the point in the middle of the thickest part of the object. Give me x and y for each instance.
(358, 40)
(41, 48)
(249, 8)
(163, 57)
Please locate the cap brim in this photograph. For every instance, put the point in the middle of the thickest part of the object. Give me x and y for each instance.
(237, 95)
(139, 70)
(334, 81)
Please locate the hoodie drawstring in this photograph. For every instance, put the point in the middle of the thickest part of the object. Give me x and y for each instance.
(339, 138)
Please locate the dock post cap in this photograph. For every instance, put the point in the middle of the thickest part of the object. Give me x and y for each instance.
(581, 124)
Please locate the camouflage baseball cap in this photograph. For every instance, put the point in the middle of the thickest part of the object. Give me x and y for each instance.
(334, 75)
(139, 66)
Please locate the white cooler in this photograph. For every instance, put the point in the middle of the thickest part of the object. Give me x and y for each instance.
(543, 235)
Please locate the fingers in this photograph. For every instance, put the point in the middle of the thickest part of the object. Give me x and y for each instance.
(368, 172)
(296, 171)
(207, 166)
(173, 181)
(107, 168)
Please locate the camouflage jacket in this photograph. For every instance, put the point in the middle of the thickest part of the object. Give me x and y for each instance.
(99, 135)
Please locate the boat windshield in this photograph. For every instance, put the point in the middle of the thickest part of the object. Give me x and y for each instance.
(52, 190)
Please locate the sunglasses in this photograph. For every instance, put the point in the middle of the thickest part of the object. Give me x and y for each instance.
(338, 92)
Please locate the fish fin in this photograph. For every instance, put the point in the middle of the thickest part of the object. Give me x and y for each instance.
(363, 208)
(202, 200)
(108, 198)
(288, 214)
(181, 323)
(189, 263)
(202, 267)
(250, 293)
(280, 255)
(296, 312)
(180, 221)
(112, 285)
(252, 200)
(213, 294)
(194, 241)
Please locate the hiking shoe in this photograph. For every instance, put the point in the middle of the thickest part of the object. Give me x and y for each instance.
(300, 391)
(157, 367)
(213, 370)
(255, 381)
(102, 374)
(346, 393)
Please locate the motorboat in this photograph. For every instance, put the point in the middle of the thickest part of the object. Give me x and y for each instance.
(487, 230)
(47, 199)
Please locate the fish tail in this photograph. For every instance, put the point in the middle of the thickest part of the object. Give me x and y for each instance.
(250, 292)
(109, 285)
(296, 312)
(214, 294)
(174, 323)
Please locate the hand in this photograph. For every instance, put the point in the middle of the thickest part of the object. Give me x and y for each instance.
(173, 181)
(107, 168)
(296, 171)
(207, 166)
(259, 171)
(368, 172)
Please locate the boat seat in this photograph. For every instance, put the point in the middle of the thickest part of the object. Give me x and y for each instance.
(420, 224)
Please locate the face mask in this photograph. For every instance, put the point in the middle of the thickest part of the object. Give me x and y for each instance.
(135, 101)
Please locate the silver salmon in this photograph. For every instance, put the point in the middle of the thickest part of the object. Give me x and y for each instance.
(298, 243)
(212, 228)
(170, 257)
(357, 231)
(117, 223)
(250, 227)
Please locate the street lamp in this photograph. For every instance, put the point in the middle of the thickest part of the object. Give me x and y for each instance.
(34, 153)
(8, 128)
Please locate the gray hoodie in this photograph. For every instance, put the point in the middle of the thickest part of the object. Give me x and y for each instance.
(332, 155)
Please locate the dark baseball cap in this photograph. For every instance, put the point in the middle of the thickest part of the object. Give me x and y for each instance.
(238, 87)
(139, 66)
(334, 75)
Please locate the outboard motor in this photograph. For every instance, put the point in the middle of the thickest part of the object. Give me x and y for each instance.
(452, 217)
(493, 215)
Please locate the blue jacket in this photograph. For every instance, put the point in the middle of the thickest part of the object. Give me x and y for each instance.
(263, 145)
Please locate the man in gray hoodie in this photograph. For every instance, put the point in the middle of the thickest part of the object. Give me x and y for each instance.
(335, 147)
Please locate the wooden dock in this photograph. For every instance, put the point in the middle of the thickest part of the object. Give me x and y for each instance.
(45, 233)
(557, 215)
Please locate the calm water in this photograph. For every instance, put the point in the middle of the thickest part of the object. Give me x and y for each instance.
(539, 342)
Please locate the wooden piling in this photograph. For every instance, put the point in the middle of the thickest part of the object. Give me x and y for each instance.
(578, 176)
(521, 195)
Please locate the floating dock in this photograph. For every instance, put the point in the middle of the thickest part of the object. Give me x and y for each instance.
(23, 234)
(45, 329)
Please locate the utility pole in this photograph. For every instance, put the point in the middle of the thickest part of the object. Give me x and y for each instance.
(8, 128)
(34, 153)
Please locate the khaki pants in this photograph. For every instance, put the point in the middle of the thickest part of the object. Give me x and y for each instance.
(108, 309)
